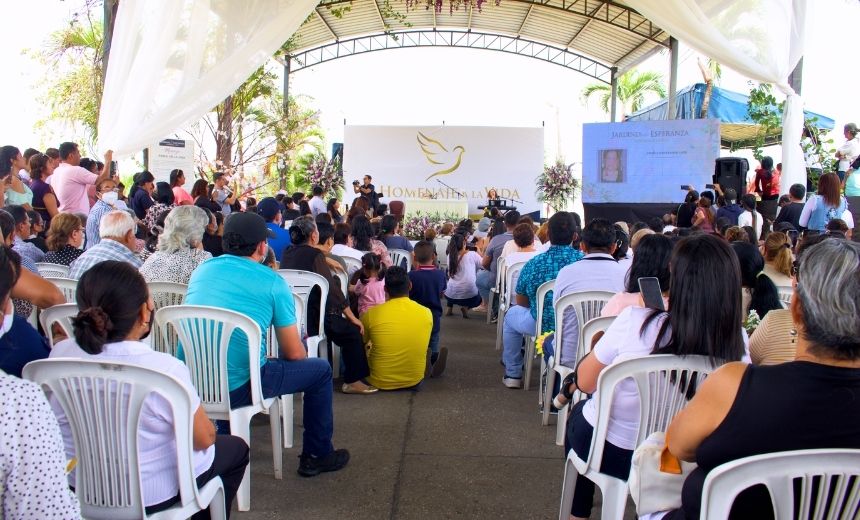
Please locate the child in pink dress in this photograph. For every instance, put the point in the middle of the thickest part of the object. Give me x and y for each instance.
(370, 286)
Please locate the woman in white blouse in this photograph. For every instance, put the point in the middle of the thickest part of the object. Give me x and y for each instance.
(116, 313)
(180, 247)
(701, 267)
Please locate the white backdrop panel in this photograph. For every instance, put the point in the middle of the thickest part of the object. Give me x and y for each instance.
(647, 161)
(409, 162)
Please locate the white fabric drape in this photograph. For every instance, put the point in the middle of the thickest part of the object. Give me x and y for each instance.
(762, 39)
(171, 61)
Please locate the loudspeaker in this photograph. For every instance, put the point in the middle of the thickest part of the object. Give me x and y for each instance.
(731, 172)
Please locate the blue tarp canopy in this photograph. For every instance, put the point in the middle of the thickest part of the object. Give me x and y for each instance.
(737, 130)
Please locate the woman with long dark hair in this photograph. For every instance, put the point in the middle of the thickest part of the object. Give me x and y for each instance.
(115, 315)
(364, 239)
(767, 186)
(651, 260)
(177, 180)
(341, 325)
(15, 192)
(140, 194)
(686, 210)
(826, 205)
(751, 217)
(333, 209)
(703, 217)
(759, 292)
(463, 266)
(703, 318)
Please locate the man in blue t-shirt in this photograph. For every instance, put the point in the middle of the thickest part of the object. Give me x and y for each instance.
(428, 284)
(270, 210)
(237, 281)
(521, 319)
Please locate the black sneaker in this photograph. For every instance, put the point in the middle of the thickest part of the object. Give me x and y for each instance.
(310, 466)
(439, 364)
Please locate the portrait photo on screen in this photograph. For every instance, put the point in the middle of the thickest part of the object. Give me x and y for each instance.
(613, 165)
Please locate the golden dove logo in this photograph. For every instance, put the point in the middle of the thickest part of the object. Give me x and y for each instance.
(437, 155)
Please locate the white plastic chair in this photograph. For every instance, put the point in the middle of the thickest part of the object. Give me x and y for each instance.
(495, 290)
(204, 333)
(352, 264)
(165, 294)
(67, 286)
(302, 283)
(107, 478)
(505, 301)
(273, 351)
(663, 382)
(343, 280)
(529, 356)
(441, 245)
(49, 270)
(589, 330)
(829, 467)
(587, 305)
(61, 314)
(785, 295)
(398, 256)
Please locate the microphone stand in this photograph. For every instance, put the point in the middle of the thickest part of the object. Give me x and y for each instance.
(459, 195)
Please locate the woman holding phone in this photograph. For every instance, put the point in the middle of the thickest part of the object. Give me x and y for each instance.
(700, 266)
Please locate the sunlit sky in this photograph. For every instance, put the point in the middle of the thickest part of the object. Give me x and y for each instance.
(458, 86)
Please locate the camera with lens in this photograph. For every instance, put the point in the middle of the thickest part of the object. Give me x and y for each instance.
(355, 183)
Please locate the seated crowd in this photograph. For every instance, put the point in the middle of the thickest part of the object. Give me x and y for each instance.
(723, 270)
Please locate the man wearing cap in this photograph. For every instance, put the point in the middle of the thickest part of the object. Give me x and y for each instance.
(222, 282)
(270, 210)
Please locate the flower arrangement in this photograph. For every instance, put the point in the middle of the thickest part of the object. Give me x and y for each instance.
(326, 173)
(751, 322)
(557, 186)
(414, 224)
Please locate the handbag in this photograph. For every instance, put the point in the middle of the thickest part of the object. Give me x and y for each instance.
(657, 476)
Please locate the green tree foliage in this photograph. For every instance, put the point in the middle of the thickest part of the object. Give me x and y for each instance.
(633, 87)
(73, 80)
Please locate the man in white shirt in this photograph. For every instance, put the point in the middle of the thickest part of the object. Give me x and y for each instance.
(597, 271)
(222, 194)
(70, 182)
(317, 203)
(343, 245)
(848, 151)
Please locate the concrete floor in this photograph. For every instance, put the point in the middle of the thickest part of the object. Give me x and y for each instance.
(462, 447)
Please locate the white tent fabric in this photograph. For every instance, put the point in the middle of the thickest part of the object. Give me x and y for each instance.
(173, 60)
(762, 39)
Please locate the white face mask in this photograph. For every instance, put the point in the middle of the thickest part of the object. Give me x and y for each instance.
(110, 197)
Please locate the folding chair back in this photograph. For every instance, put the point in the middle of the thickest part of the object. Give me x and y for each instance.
(103, 403)
(67, 286)
(401, 258)
(49, 270)
(829, 484)
(60, 314)
(165, 294)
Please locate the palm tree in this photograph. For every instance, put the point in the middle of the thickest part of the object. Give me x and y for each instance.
(711, 74)
(632, 89)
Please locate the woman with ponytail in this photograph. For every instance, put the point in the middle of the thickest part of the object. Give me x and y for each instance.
(777, 258)
(115, 315)
(463, 266)
(141, 193)
(759, 292)
(750, 217)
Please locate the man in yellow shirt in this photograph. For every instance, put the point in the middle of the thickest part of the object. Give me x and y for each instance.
(399, 331)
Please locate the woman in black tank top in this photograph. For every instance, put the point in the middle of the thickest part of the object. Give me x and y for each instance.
(812, 402)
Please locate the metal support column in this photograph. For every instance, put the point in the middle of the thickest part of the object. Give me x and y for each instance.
(284, 162)
(613, 93)
(673, 76)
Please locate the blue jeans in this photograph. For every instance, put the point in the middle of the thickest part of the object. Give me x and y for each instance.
(311, 376)
(485, 280)
(518, 323)
(434, 342)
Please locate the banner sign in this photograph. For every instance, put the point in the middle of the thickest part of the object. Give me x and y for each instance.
(647, 161)
(416, 162)
(172, 154)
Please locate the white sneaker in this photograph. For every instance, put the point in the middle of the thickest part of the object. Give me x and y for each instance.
(512, 382)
